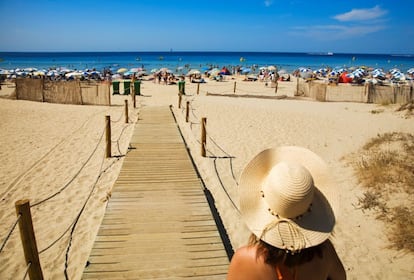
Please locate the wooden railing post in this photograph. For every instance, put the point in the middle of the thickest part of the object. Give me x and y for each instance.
(297, 86)
(108, 136)
(203, 136)
(234, 88)
(198, 88)
(180, 96)
(126, 111)
(187, 113)
(109, 93)
(27, 235)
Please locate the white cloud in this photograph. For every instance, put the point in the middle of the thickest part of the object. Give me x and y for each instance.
(362, 14)
(268, 3)
(335, 32)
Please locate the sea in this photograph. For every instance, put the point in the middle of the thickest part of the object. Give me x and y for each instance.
(179, 61)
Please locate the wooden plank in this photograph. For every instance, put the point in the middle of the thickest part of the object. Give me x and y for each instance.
(158, 224)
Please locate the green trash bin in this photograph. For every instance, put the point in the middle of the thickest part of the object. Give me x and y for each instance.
(115, 87)
(137, 87)
(181, 87)
(127, 85)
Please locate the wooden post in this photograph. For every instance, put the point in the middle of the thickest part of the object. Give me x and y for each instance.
(234, 88)
(134, 101)
(180, 96)
(203, 136)
(198, 88)
(27, 235)
(297, 86)
(187, 113)
(126, 111)
(43, 89)
(109, 93)
(108, 136)
(131, 86)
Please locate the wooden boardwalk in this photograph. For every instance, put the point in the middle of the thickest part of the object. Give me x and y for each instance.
(158, 223)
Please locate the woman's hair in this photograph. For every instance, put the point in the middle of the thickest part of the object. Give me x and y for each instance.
(274, 256)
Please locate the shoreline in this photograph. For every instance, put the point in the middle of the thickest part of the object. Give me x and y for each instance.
(52, 140)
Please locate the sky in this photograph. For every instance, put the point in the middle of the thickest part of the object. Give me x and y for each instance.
(346, 26)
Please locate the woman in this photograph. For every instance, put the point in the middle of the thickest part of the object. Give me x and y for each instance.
(284, 196)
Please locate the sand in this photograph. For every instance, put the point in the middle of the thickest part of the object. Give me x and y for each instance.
(43, 147)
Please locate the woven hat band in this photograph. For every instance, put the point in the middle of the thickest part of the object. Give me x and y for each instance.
(288, 190)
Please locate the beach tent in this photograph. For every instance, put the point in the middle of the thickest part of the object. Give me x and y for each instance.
(225, 71)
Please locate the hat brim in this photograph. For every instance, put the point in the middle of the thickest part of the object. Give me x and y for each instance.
(315, 226)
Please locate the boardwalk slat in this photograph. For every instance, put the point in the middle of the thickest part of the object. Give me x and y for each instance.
(158, 224)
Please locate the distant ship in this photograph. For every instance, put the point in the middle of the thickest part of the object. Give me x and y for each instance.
(321, 53)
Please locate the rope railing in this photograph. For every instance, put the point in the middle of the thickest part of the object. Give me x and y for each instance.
(71, 228)
(214, 155)
(27, 270)
(78, 218)
(21, 177)
(9, 233)
(74, 177)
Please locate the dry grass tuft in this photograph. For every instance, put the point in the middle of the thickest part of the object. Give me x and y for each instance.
(386, 170)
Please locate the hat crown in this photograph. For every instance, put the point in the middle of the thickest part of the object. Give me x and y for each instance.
(288, 190)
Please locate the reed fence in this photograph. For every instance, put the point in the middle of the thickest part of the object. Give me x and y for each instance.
(64, 92)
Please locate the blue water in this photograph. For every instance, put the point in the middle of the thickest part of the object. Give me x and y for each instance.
(199, 60)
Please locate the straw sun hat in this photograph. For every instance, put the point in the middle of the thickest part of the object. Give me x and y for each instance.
(284, 196)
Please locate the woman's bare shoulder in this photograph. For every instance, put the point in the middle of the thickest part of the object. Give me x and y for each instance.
(245, 264)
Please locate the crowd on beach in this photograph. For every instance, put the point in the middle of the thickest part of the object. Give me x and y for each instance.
(355, 75)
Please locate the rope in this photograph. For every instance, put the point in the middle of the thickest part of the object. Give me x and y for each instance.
(27, 270)
(70, 226)
(217, 145)
(77, 220)
(18, 179)
(119, 138)
(224, 188)
(120, 117)
(56, 241)
(227, 155)
(71, 180)
(3, 244)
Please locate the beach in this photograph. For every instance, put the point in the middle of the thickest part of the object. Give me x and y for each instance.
(53, 155)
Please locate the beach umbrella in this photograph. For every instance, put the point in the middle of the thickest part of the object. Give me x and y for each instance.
(305, 73)
(4, 72)
(39, 73)
(165, 70)
(64, 70)
(271, 68)
(246, 70)
(122, 70)
(73, 74)
(282, 71)
(193, 72)
(116, 77)
(214, 72)
(30, 69)
(410, 71)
